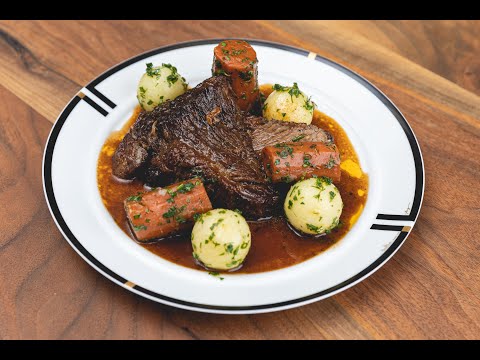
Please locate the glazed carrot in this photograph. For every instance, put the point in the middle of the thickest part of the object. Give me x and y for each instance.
(288, 162)
(163, 211)
(238, 60)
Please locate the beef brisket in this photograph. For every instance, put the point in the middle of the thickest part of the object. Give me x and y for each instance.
(204, 133)
(270, 132)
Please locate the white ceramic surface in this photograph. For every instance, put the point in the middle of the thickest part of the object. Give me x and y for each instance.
(387, 148)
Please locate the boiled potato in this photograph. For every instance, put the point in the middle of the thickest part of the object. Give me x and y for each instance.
(159, 84)
(314, 206)
(288, 104)
(221, 239)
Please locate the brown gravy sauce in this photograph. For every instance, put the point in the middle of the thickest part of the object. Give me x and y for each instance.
(274, 245)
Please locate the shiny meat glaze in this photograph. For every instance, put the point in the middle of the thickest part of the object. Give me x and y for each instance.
(200, 133)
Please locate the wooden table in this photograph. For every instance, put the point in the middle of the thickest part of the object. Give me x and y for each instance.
(429, 289)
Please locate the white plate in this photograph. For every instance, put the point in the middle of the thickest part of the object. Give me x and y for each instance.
(384, 141)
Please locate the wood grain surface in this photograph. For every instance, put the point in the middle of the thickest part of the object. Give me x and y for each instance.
(429, 289)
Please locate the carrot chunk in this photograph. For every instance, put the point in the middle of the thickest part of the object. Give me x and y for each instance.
(164, 211)
(237, 60)
(289, 162)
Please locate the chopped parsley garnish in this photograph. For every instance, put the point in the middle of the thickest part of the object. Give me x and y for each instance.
(286, 179)
(314, 228)
(171, 67)
(137, 197)
(181, 219)
(309, 105)
(292, 90)
(215, 273)
(137, 216)
(181, 189)
(238, 211)
(325, 179)
(331, 163)
(235, 252)
(290, 204)
(139, 227)
(229, 248)
(286, 150)
(306, 160)
(246, 76)
(278, 87)
(150, 102)
(196, 217)
(238, 52)
(234, 262)
(170, 213)
(298, 138)
(318, 183)
(332, 195)
(184, 188)
(220, 72)
(153, 71)
(156, 71)
(336, 221)
(172, 79)
(277, 161)
(174, 211)
(223, 44)
(216, 223)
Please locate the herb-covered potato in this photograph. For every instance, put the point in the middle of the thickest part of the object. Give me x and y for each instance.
(314, 206)
(288, 104)
(221, 239)
(159, 84)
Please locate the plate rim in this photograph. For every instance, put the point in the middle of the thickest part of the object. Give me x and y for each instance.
(366, 272)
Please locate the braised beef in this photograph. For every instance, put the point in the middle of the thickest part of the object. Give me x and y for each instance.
(270, 132)
(200, 133)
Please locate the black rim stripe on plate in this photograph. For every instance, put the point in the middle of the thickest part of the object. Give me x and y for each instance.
(95, 105)
(387, 227)
(51, 196)
(101, 96)
(392, 248)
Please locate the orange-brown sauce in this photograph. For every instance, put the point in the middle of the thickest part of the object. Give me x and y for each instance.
(274, 245)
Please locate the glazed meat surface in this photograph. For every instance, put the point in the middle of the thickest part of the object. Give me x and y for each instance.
(204, 133)
(200, 133)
